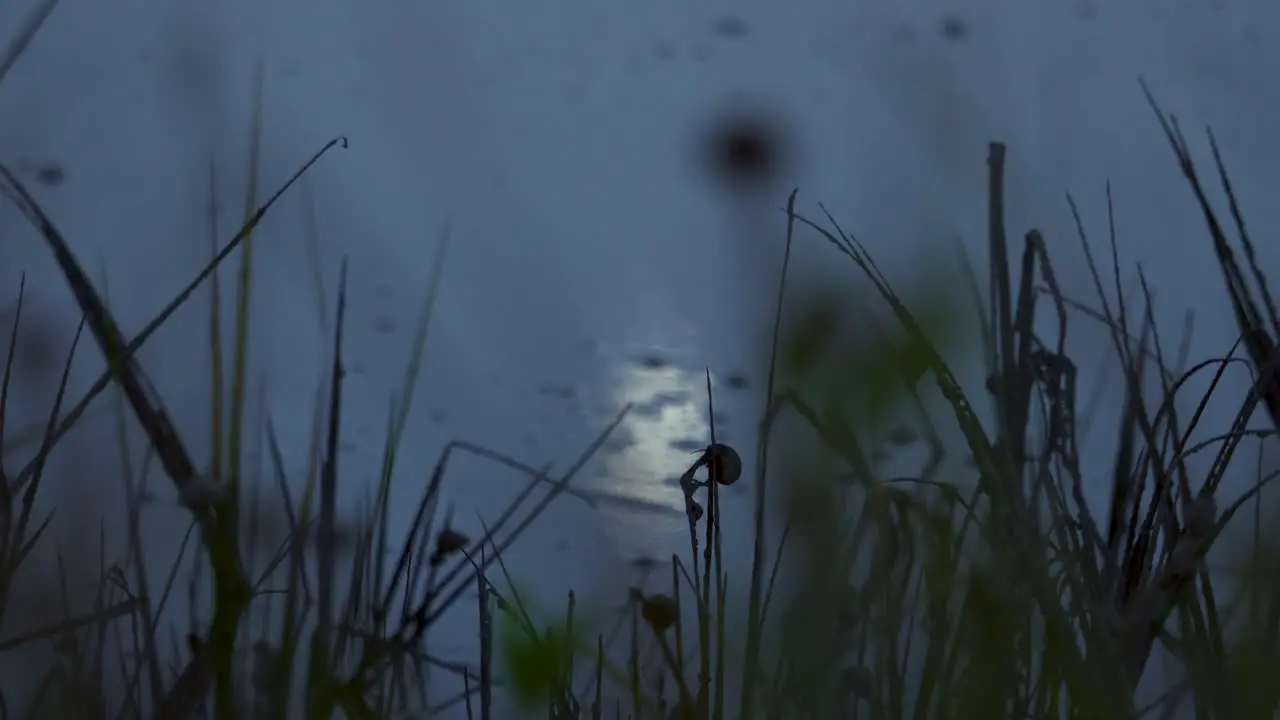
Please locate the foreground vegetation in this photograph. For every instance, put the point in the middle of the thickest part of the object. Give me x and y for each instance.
(913, 597)
(884, 598)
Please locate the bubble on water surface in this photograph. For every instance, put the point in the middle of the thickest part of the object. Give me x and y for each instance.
(689, 445)
(953, 28)
(731, 27)
(653, 362)
(384, 325)
(51, 175)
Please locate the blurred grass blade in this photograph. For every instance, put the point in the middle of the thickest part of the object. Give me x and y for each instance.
(26, 33)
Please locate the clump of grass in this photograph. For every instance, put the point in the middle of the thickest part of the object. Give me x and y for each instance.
(361, 652)
(286, 634)
(914, 597)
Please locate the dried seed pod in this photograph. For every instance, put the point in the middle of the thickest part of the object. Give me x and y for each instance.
(660, 611)
(448, 542)
(993, 383)
(724, 465)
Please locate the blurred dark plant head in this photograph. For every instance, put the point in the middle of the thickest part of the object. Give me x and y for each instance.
(744, 148)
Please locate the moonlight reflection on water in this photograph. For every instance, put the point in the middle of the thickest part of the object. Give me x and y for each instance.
(669, 422)
(669, 426)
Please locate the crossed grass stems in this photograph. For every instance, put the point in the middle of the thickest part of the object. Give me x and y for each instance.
(1011, 600)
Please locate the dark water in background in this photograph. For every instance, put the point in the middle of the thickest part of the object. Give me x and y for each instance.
(594, 261)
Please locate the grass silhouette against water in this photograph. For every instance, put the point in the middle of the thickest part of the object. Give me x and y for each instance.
(352, 644)
(914, 598)
(885, 598)
(361, 651)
